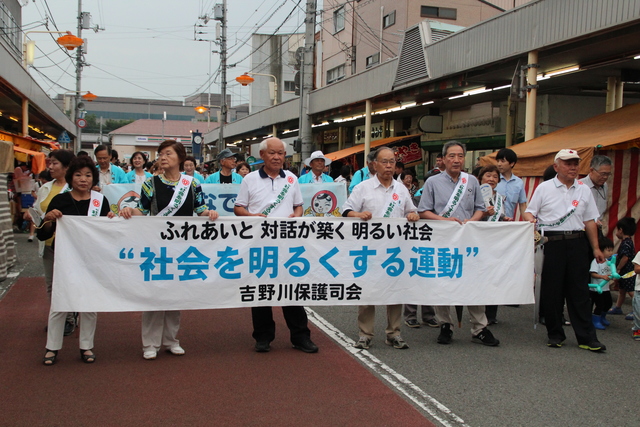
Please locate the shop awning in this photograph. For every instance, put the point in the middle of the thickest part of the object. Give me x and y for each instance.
(337, 155)
(617, 130)
(38, 159)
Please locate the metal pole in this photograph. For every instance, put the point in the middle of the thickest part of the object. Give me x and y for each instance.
(77, 146)
(532, 81)
(307, 80)
(223, 83)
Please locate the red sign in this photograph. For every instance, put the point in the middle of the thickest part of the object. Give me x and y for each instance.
(81, 123)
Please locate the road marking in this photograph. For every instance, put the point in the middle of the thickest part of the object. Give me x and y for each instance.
(430, 405)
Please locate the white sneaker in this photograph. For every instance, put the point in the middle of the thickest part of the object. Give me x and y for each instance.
(150, 354)
(176, 350)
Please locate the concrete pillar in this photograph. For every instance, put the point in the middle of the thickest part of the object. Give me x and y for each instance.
(532, 94)
(611, 95)
(619, 93)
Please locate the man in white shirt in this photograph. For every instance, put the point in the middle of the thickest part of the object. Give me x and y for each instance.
(381, 197)
(274, 192)
(564, 209)
(599, 173)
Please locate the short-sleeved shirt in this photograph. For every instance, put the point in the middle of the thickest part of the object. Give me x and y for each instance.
(275, 197)
(601, 269)
(599, 194)
(147, 194)
(627, 249)
(513, 189)
(636, 261)
(358, 177)
(438, 189)
(552, 201)
(311, 178)
(383, 202)
(115, 176)
(218, 178)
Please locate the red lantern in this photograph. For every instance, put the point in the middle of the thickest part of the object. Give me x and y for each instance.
(70, 41)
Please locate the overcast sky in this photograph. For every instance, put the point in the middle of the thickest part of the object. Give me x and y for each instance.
(147, 49)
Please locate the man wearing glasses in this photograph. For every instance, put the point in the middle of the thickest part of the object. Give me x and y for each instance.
(225, 175)
(599, 173)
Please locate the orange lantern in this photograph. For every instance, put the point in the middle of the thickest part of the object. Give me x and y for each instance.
(70, 41)
(245, 79)
(201, 109)
(89, 96)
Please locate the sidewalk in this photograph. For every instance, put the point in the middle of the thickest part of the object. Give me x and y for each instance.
(220, 381)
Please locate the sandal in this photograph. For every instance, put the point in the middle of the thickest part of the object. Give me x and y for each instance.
(51, 360)
(87, 358)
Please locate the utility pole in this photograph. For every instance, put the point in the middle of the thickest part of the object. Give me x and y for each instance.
(307, 80)
(220, 14)
(77, 146)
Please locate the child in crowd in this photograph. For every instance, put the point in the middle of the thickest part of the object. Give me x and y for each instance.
(599, 272)
(625, 229)
(636, 299)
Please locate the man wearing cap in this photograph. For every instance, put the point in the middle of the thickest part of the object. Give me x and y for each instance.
(565, 211)
(599, 173)
(316, 175)
(273, 192)
(227, 161)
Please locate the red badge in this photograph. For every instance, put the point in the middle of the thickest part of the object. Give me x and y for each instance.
(395, 197)
(290, 179)
(574, 203)
(464, 180)
(580, 182)
(96, 203)
(185, 181)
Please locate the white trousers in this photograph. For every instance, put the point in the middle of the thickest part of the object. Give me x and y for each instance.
(159, 328)
(55, 330)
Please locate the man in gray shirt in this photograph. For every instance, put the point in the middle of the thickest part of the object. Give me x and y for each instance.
(454, 195)
(599, 172)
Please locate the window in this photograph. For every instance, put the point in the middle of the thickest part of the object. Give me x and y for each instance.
(289, 86)
(389, 20)
(373, 59)
(335, 74)
(438, 12)
(338, 20)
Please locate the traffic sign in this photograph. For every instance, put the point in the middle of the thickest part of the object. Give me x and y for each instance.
(64, 137)
(81, 123)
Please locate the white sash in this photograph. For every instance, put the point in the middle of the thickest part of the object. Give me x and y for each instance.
(180, 193)
(456, 196)
(392, 201)
(498, 207)
(95, 204)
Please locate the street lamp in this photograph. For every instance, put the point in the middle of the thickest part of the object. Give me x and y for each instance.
(67, 40)
(246, 79)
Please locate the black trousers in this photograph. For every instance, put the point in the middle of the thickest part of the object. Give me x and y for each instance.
(602, 302)
(565, 276)
(264, 328)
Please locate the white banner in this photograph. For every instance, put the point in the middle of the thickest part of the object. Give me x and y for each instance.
(153, 263)
(320, 200)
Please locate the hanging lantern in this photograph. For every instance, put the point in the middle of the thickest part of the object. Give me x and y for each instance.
(201, 109)
(70, 41)
(245, 79)
(89, 96)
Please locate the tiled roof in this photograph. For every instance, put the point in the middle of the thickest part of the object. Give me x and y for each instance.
(172, 128)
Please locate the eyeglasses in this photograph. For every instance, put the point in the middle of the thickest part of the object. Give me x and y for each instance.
(603, 174)
(387, 161)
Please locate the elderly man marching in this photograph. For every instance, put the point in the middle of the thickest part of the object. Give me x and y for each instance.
(564, 209)
(454, 195)
(316, 175)
(274, 192)
(381, 197)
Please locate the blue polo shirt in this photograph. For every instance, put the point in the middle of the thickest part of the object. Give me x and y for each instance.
(513, 190)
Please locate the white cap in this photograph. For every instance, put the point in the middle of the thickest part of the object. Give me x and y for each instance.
(317, 155)
(567, 154)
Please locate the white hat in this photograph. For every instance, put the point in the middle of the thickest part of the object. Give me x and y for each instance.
(567, 154)
(317, 155)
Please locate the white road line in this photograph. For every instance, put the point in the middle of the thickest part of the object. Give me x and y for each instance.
(430, 405)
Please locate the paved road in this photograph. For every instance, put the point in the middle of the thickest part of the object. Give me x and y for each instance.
(521, 382)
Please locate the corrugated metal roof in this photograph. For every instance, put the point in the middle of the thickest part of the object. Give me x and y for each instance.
(532, 26)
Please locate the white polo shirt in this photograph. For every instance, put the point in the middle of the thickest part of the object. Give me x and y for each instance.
(372, 196)
(552, 201)
(259, 193)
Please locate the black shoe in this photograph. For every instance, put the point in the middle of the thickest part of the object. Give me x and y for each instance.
(485, 337)
(492, 321)
(412, 323)
(306, 345)
(446, 334)
(595, 346)
(263, 346)
(555, 342)
(50, 360)
(69, 327)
